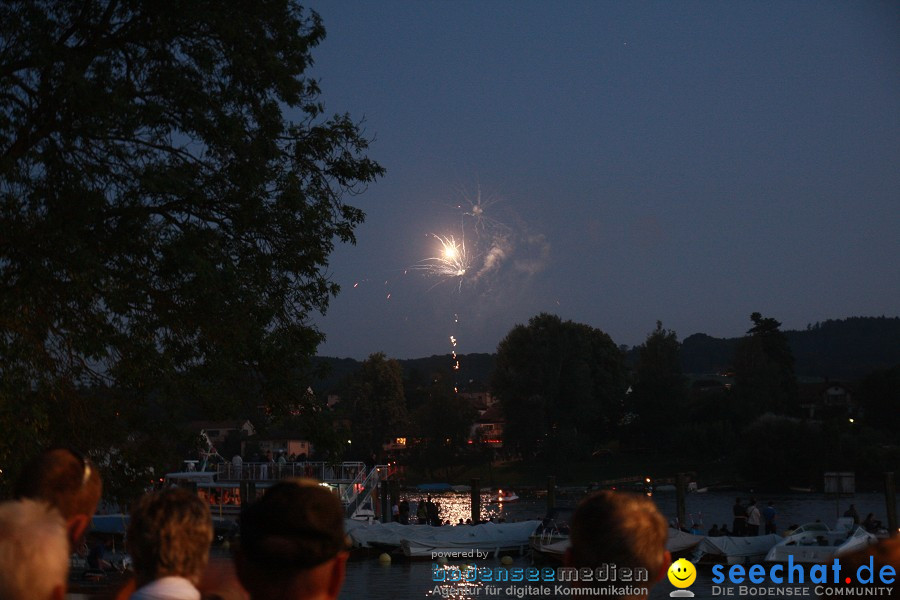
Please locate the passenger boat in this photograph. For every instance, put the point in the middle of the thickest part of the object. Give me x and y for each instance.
(230, 485)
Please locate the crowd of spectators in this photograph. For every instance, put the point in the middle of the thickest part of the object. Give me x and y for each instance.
(292, 543)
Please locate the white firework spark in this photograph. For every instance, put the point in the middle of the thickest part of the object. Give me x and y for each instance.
(451, 262)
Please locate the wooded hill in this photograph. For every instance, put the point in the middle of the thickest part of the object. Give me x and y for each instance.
(842, 349)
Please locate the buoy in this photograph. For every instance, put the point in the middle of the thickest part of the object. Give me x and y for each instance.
(384, 558)
(506, 560)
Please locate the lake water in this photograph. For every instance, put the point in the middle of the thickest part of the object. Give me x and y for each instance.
(368, 578)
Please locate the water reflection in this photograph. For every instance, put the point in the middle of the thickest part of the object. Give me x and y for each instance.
(458, 506)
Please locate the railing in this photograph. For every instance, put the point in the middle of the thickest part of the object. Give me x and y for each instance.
(345, 472)
(359, 494)
(350, 492)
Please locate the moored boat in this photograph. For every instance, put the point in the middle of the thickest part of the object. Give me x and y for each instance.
(732, 550)
(475, 541)
(816, 543)
(385, 536)
(679, 543)
(504, 496)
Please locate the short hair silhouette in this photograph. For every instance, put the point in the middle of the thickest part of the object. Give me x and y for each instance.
(619, 528)
(292, 543)
(63, 477)
(34, 551)
(169, 535)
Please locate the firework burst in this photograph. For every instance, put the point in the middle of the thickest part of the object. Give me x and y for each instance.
(451, 262)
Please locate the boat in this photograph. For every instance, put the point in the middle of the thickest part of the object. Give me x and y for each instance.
(554, 551)
(227, 485)
(545, 540)
(554, 528)
(385, 536)
(679, 543)
(734, 550)
(816, 543)
(507, 496)
(693, 489)
(474, 541)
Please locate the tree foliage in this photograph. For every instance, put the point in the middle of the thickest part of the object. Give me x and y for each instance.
(764, 379)
(779, 451)
(561, 385)
(377, 406)
(879, 398)
(441, 426)
(660, 389)
(170, 191)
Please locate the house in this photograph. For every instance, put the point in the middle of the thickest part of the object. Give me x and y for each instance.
(283, 441)
(828, 398)
(398, 444)
(480, 401)
(488, 427)
(217, 431)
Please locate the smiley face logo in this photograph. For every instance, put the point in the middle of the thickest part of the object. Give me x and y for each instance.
(682, 573)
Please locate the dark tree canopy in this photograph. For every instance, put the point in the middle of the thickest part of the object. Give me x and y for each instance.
(377, 406)
(660, 390)
(764, 378)
(879, 398)
(441, 426)
(561, 385)
(170, 191)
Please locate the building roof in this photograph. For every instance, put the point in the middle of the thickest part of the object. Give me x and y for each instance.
(492, 415)
(233, 424)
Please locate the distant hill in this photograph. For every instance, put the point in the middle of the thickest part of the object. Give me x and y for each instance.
(474, 373)
(835, 349)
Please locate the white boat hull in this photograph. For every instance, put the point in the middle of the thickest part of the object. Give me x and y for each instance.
(465, 541)
(735, 550)
(816, 544)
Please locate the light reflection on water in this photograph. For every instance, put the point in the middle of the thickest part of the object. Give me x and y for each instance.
(413, 579)
(458, 506)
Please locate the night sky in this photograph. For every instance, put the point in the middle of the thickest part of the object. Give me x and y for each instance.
(615, 163)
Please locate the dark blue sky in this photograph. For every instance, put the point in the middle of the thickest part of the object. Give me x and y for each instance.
(690, 162)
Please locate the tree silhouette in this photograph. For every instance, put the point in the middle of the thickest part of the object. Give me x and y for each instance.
(170, 191)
